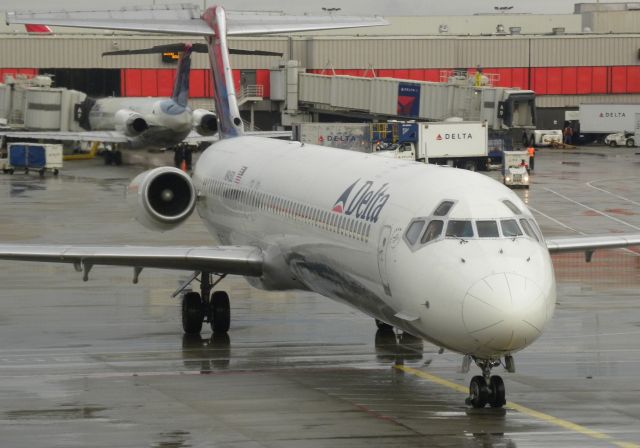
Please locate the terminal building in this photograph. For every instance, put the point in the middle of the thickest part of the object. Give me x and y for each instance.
(590, 56)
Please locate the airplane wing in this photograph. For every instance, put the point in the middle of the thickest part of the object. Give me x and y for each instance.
(589, 243)
(80, 136)
(195, 138)
(237, 260)
(185, 19)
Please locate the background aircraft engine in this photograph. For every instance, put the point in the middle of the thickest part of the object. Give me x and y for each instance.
(161, 198)
(204, 122)
(130, 122)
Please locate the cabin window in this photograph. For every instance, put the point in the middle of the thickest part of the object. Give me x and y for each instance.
(536, 230)
(487, 229)
(414, 230)
(510, 228)
(459, 229)
(511, 206)
(443, 209)
(434, 230)
(528, 230)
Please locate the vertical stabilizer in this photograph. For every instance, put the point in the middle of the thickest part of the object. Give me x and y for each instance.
(181, 87)
(230, 123)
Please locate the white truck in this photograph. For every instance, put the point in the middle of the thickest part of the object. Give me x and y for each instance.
(460, 144)
(515, 171)
(600, 120)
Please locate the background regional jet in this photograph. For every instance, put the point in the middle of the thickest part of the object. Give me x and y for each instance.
(463, 265)
(139, 122)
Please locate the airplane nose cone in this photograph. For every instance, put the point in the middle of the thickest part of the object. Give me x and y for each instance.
(504, 312)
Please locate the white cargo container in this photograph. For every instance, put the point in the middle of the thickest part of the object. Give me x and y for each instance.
(352, 136)
(452, 140)
(608, 118)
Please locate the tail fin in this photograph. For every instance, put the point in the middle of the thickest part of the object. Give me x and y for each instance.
(181, 87)
(230, 123)
(37, 29)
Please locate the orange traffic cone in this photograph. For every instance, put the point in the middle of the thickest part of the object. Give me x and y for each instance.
(183, 166)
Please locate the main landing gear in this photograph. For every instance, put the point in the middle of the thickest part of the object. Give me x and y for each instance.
(201, 307)
(487, 389)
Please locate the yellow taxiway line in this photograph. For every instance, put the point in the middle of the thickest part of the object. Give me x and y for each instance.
(565, 424)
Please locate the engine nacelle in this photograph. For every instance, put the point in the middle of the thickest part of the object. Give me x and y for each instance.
(204, 122)
(161, 198)
(130, 122)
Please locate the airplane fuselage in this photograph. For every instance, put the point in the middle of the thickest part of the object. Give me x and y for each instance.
(337, 223)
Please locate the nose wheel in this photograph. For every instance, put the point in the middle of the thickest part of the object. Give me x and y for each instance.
(486, 389)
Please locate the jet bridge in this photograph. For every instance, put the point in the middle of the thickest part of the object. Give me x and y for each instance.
(502, 108)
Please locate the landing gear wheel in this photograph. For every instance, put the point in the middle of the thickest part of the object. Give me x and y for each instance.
(478, 392)
(108, 157)
(117, 158)
(41, 172)
(220, 312)
(383, 326)
(496, 397)
(55, 171)
(192, 313)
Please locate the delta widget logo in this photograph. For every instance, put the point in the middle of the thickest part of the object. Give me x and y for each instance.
(366, 203)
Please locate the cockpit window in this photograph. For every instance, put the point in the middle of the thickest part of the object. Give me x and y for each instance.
(434, 230)
(512, 207)
(528, 230)
(536, 229)
(461, 229)
(510, 228)
(414, 230)
(443, 208)
(487, 229)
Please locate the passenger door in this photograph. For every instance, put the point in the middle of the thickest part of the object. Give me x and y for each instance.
(383, 246)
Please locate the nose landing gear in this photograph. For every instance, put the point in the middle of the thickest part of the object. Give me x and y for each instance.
(486, 389)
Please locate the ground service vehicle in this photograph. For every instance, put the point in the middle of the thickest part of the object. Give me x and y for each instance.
(460, 144)
(627, 139)
(599, 120)
(514, 173)
(541, 137)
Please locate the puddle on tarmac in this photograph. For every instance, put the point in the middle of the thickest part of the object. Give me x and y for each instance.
(173, 439)
(77, 413)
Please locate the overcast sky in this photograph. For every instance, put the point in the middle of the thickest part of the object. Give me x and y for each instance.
(354, 7)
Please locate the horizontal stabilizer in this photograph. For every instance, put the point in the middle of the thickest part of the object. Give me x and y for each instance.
(195, 48)
(185, 19)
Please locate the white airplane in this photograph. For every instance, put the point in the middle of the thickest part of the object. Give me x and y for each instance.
(462, 264)
(139, 122)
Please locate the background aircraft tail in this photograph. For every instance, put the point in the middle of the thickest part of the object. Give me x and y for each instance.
(212, 25)
(181, 87)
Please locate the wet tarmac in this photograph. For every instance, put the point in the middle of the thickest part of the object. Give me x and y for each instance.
(105, 363)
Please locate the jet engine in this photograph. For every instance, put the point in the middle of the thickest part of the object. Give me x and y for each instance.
(161, 198)
(204, 122)
(130, 122)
